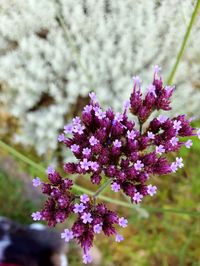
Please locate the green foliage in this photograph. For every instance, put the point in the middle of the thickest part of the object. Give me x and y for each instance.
(12, 202)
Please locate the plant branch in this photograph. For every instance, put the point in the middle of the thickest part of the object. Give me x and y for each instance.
(182, 48)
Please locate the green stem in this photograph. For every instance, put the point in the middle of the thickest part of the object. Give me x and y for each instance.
(101, 188)
(180, 53)
(40, 168)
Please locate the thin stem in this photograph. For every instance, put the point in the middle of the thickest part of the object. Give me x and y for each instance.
(40, 168)
(182, 48)
(140, 124)
(102, 188)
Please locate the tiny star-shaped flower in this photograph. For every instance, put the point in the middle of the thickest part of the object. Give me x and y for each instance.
(79, 208)
(137, 197)
(36, 216)
(84, 198)
(87, 258)
(67, 235)
(150, 135)
(179, 162)
(97, 228)
(131, 134)
(138, 165)
(123, 222)
(117, 143)
(85, 164)
(177, 125)
(36, 182)
(160, 149)
(115, 187)
(86, 218)
(188, 144)
(151, 190)
(119, 238)
(93, 141)
(162, 118)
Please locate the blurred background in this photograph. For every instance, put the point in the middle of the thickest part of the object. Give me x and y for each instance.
(52, 54)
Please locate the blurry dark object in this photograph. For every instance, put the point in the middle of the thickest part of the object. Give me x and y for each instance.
(33, 245)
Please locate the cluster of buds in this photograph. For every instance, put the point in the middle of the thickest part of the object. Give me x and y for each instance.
(108, 144)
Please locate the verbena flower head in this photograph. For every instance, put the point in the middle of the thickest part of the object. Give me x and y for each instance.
(111, 145)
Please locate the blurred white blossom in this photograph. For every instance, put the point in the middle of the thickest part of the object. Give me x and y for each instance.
(107, 43)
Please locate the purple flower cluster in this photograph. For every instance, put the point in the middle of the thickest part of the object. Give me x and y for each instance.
(110, 144)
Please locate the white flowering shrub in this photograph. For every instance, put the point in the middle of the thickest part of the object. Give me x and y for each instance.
(45, 69)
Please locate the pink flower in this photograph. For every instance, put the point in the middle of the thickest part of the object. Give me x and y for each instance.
(177, 125)
(67, 235)
(84, 198)
(79, 208)
(131, 134)
(36, 216)
(86, 218)
(93, 141)
(160, 149)
(87, 258)
(151, 190)
(188, 143)
(123, 222)
(137, 197)
(117, 143)
(179, 162)
(150, 135)
(85, 164)
(37, 182)
(115, 187)
(119, 238)
(162, 118)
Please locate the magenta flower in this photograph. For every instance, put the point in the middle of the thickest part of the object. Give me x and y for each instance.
(179, 162)
(137, 198)
(174, 141)
(86, 151)
(79, 208)
(115, 187)
(198, 133)
(112, 146)
(174, 167)
(84, 198)
(50, 170)
(151, 190)
(93, 141)
(160, 149)
(67, 235)
(177, 125)
(152, 89)
(131, 134)
(87, 258)
(36, 216)
(123, 222)
(85, 164)
(94, 166)
(97, 228)
(162, 118)
(61, 137)
(188, 144)
(117, 143)
(138, 165)
(86, 217)
(119, 238)
(36, 182)
(74, 148)
(150, 135)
